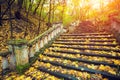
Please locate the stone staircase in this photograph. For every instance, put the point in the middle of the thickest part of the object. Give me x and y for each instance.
(85, 56)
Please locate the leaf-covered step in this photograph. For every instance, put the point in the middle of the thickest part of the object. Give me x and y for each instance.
(87, 54)
(87, 48)
(111, 53)
(80, 75)
(86, 37)
(89, 44)
(15, 76)
(30, 74)
(84, 69)
(84, 34)
(84, 40)
(83, 60)
(84, 57)
(57, 74)
(39, 75)
(105, 68)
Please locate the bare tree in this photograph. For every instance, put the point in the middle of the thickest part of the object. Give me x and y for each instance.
(20, 3)
(49, 15)
(27, 14)
(38, 4)
(40, 16)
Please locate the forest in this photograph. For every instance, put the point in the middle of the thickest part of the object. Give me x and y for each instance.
(20, 17)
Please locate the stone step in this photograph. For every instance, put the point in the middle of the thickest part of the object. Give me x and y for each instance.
(87, 48)
(84, 40)
(57, 74)
(77, 37)
(83, 69)
(84, 34)
(61, 69)
(83, 60)
(87, 54)
(88, 44)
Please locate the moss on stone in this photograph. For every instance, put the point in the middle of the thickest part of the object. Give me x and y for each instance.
(21, 68)
(17, 42)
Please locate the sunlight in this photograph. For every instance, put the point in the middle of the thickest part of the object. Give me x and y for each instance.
(95, 4)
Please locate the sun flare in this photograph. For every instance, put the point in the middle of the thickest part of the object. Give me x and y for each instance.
(95, 4)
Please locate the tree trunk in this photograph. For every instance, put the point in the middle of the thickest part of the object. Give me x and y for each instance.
(49, 16)
(0, 16)
(40, 17)
(27, 16)
(34, 12)
(20, 3)
(53, 11)
(11, 27)
(64, 3)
